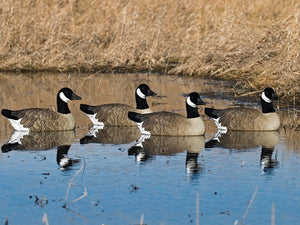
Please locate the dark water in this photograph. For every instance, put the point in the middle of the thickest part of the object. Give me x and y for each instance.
(156, 180)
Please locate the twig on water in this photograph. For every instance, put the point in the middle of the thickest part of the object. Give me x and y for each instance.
(45, 219)
(78, 214)
(69, 186)
(273, 214)
(248, 207)
(197, 209)
(142, 219)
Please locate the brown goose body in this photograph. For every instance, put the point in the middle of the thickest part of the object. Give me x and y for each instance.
(38, 119)
(173, 124)
(116, 114)
(244, 119)
(248, 119)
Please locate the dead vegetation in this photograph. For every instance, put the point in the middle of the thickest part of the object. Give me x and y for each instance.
(255, 42)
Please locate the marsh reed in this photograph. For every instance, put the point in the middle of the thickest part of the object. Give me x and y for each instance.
(254, 42)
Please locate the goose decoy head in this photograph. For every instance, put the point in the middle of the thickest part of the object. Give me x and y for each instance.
(194, 99)
(144, 91)
(269, 94)
(67, 94)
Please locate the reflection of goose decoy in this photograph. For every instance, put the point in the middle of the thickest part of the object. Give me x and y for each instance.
(38, 119)
(62, 158)
(191, 163)
(111, 135)
(244, 140)
(168, 145)
(172, 124)
(38, 140)
(266, 160)
(116, 114)
(248, 118)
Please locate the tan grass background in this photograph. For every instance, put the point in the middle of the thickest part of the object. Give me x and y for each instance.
(254, 42)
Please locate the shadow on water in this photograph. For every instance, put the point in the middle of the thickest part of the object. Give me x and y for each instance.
(41, 141)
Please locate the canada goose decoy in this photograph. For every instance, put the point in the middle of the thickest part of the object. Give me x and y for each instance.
(116, 114)
(39, 119)
(172, 124)
(248, 119)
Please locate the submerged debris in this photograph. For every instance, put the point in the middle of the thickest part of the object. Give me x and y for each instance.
(42, 202)
(133, 188)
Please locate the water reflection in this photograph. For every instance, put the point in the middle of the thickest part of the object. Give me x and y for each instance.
(148, 147)
(240, 140)
(111, 135)
(62, 158)
(41, 141)
(266, 159)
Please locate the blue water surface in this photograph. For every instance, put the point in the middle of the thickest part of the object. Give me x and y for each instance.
(125, 188)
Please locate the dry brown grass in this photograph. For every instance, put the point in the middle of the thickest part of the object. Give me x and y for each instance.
(254, 42)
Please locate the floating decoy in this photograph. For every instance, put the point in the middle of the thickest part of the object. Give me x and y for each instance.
(40, 119)
(115, 114)
(248, 119)
(172, 124)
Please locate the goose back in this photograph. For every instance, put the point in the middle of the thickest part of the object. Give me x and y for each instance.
(173, 124)
(38, 119)
(248, 119)
(116, 114)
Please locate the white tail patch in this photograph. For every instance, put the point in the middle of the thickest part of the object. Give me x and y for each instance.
(17, 125)
(95, 120)
(221, 128)
(17, 136)
(63, 97)
(142, 129)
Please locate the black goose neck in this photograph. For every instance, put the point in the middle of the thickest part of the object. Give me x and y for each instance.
(62, 107)
(267, 107)
(192, 112)
(141, 103)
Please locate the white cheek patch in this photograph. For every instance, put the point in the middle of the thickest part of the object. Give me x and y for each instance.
(63, 97)
(140, 94)
(17, 125)
(190, 103)
(265, 98)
